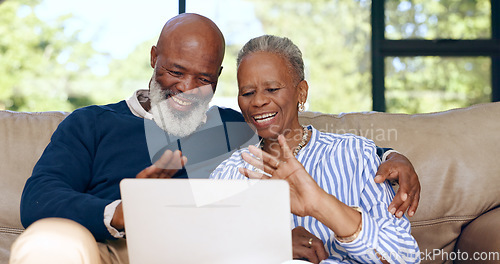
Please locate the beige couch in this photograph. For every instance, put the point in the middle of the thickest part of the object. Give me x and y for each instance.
(455, 153)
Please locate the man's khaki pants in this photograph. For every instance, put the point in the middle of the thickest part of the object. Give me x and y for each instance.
(58, 240)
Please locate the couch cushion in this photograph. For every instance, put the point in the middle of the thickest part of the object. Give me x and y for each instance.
(23, 138)
(455, 154)
(480, 240)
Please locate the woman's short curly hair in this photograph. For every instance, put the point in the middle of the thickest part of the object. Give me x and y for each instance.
(281, 46)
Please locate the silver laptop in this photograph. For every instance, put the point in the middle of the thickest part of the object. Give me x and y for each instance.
(207, 221)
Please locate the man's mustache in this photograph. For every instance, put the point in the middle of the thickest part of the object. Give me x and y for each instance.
(188, 95)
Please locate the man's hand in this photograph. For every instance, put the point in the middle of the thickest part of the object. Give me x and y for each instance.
(117, 222)
(166, 167)
(306, 246)
(398, 168)
(168, 164)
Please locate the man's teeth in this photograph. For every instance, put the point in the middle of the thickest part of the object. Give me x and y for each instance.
(179, 101)
(264, 117)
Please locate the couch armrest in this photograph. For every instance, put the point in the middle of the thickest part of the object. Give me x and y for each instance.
(481, 239)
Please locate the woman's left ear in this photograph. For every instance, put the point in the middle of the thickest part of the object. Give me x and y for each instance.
(303, 90)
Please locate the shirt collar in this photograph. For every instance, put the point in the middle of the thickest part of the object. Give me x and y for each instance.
(134, 104)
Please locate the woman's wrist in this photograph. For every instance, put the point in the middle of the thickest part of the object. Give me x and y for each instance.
(343, 220)
(352, 237)
(320, 205)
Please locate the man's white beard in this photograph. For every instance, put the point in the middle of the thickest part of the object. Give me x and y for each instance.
(173, 121)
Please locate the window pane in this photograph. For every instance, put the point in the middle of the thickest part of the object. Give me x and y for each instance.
(429, 84)
(445, 19)
(334, 37)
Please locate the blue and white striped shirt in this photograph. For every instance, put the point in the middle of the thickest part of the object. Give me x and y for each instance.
(344, 166)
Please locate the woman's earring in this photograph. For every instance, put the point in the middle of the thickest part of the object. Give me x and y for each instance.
(302, 107)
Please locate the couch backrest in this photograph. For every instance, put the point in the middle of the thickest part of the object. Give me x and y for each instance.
(23, 137)
(455, 153)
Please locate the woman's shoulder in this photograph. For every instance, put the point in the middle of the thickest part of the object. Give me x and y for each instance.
(228, 169)
(348, 138)
(235, 159)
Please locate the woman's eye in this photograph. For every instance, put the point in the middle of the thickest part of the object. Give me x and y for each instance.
(246, 93)
(272, 90)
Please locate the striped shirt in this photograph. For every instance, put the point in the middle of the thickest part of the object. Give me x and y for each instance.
(344, 166)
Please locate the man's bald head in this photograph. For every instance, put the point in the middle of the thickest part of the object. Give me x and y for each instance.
(192, 31)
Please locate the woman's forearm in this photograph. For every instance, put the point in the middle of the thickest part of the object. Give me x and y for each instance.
(343, 220)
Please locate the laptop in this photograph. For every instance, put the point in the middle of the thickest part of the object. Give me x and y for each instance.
(207, 221)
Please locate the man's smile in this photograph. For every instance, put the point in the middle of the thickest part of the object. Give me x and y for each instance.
(180, 101)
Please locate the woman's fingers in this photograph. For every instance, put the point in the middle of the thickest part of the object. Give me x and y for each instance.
(285, 148)
(267, 159)
(276, 166)
(257, 163)
(261, 160)
(253, 174)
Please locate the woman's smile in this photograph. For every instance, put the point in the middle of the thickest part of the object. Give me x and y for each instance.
(265, 119)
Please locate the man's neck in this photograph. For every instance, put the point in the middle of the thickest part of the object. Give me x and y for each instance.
(146, 105)
(139, 104)
(144, 101)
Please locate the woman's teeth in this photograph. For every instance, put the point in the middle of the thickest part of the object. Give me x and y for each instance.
(264, 117)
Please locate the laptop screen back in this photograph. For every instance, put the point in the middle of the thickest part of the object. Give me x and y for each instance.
(207, 221)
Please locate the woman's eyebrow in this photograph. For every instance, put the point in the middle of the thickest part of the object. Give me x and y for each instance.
(249, 86)
(273, 83)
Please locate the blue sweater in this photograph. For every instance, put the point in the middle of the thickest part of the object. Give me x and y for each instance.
(96, 147)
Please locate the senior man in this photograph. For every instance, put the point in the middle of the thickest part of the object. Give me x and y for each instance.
(73, 194)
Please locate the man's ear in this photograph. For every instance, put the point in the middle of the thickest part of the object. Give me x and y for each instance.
(214, 87)
(153, 57)
(220, 70)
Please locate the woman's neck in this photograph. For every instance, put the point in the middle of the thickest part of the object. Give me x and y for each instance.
(294, 138)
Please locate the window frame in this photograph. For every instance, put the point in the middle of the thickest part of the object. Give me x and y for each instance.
(382, 48)
(182, 6)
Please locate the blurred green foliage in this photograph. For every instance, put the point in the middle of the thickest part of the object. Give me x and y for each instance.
(443, 19)
(39, 61)
(429, 84)
(45, 67)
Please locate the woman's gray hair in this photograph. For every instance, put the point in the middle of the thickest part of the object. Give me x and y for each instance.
(277, 45)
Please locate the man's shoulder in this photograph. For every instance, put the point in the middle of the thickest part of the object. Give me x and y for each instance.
(113, 107)
(95, 110)
(93, 113)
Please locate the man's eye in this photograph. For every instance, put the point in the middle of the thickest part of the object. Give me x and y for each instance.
(175, 73)
(246, 93)
(272, 90)
(205, 81)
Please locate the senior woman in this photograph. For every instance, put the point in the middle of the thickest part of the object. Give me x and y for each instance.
(335, 202)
